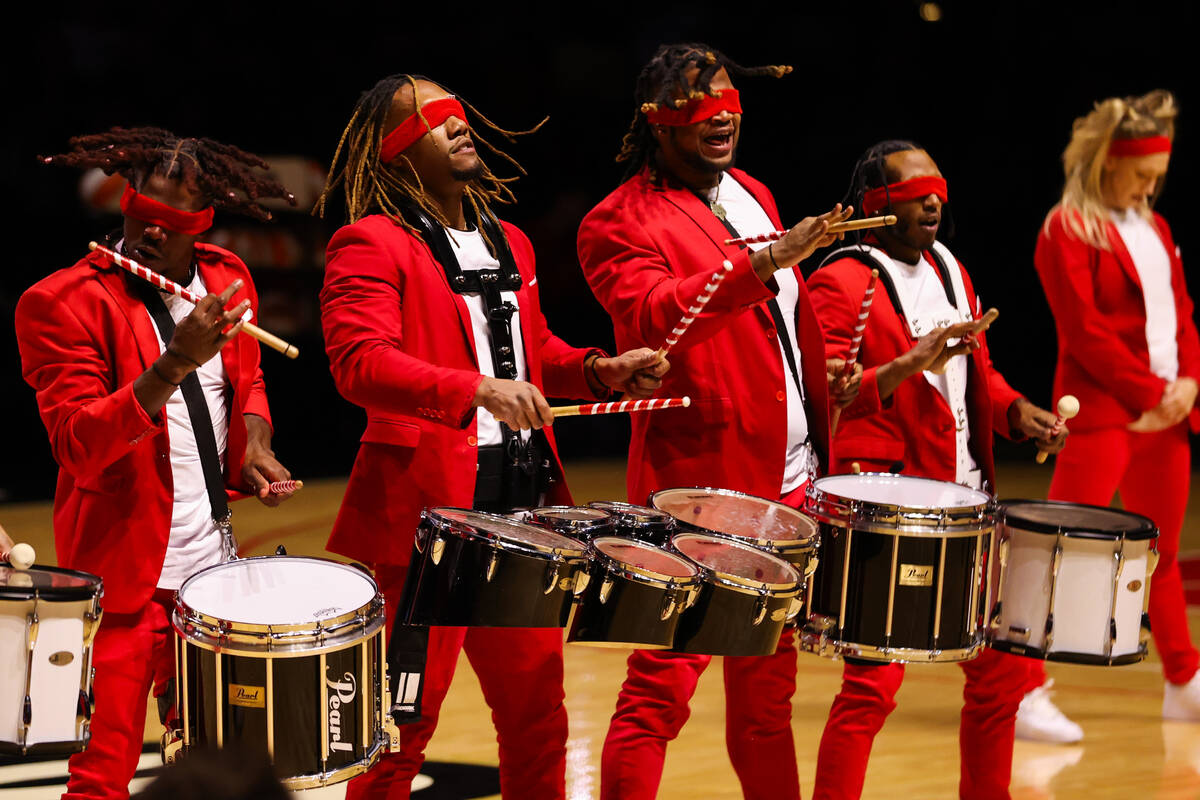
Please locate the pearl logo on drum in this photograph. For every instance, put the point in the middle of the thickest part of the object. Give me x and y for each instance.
(343, 692)
(916, 575)
(247, 696)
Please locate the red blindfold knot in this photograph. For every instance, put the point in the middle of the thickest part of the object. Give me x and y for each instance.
(1145, 146)
(697, 110)
(152, 212)
(413, 128)
(875, 200)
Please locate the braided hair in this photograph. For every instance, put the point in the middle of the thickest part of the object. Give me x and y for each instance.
(663, 83)
(372, 186)
(871, 172)
(231, 178)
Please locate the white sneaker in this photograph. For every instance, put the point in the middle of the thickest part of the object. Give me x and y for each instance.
(1039, 720)
(1182, 702)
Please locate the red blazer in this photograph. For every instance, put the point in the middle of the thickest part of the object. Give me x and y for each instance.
(1100, 316)
(400, 345)
(914, 425)
(647, 251)
(84, 337)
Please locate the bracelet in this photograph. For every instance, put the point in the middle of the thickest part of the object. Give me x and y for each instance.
(172, 351)
(161, 377)
(771, 253)
(592, 366)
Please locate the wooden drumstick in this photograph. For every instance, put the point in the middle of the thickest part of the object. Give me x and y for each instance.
(279, 487)
(1068, 407)
(621, 406)
(837, 227)
(168, 285)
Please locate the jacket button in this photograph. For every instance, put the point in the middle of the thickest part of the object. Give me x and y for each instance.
(472, 441)
(780, 395)
(770, 333)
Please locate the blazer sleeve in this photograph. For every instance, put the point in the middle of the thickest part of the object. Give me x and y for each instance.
(1063, 263)
(361, 316)
(642, 291)
(837, 311)
(90, 425)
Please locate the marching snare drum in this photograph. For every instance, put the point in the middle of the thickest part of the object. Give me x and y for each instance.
(283, 655)
(638, 522)
(902, 568)
(477, 569)
(633, 595)
(1072, 582)
(575, 522)
(48, 619)
(746, 596)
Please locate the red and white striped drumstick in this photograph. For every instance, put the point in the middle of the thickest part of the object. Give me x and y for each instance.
(622, 406)
(1068, 407)
(864, 311)
(279, 487)
(167, 285)
(837, 227)
(695, 308)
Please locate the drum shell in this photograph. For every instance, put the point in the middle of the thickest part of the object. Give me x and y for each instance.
(456, 591)
(625, 523)
(721, 622)
(632, 611)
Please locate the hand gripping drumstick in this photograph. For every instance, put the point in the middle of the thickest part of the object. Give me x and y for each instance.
(837, 227)
(279, 487)
(269, 339)
(1068, 407)
(695, 308)
(864, 311)
(622, 406)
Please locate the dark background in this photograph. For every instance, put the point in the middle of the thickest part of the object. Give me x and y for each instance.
(989, 89)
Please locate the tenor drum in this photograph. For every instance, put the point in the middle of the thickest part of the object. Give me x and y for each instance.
(638, 522)
(746, 597)
(48, 619)
(1072, 582)
(485, 570)
(575, 522)
(901, 576)
(633, 596)
(283, 655)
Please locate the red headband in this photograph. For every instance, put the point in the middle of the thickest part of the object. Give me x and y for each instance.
(912, 189)
(697, 110)
(152, 212)
(413, 128)
(1139, 147)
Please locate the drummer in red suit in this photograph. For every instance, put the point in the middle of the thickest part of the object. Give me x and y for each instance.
(133, 504)
(1128, 349)
(432, 324)
(929, 406)
(753, 363)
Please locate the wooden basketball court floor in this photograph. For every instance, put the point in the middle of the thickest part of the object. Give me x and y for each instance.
(1128, 751)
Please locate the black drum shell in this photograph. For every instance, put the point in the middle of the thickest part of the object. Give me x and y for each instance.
(657, 533)
(720, 623)
(631, 616)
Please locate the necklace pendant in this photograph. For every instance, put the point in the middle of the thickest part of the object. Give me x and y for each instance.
(718, 210)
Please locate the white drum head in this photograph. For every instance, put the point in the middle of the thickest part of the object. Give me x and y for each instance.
(732, 559)
(900, 490)
(735, 514)
(277, 590)
(643, 556)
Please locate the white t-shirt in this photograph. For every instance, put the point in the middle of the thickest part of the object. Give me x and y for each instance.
(748, 218)
(1153, 265)
(472, 254)
(195, 541)
(923, 296)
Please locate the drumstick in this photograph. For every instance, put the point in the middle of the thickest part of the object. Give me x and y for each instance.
(864, 311)
(279, 487)
(269, 339)
(21, 556)
(695, 308)
(621, 406)
(1068, 407)
(837, 227)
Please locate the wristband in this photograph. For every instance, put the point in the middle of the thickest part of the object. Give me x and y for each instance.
(161, 377)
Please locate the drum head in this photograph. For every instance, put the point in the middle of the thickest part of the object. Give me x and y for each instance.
(504, 530)
(644, 558)
(277, 590)
(50, 583)
(631, 515)
(904, 491)
(736, 562)
(730, 513)
(1076, 519)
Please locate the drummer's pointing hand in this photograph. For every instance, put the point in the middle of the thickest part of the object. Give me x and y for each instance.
(517, 404)
(638, 373)
(259, 468)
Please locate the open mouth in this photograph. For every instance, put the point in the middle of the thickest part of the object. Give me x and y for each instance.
(466, 146)
(719, 144)
(929, 224)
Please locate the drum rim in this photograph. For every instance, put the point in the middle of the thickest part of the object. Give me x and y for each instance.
(1147, 531)
(536, 518)
(94, 587)
(823, 645)
(738, 582)
(775, 545)
(622, 514)
(889, 518)
(613, 565)
(327, 631)
(468, 531)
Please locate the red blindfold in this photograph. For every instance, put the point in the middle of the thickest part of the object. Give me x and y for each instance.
(875, 200)
(153, 212)
(413, 128)
(697, 110)
(1139, 147)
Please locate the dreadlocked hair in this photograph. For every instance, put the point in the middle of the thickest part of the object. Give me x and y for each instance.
(231, 178)
(871, 172)
(371, 186)
(663, 83)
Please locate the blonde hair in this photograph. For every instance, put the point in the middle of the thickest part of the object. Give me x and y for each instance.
(1086, 215)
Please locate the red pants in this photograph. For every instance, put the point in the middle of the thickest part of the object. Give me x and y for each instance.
(1153, 472)
(521, 673)
(131, 653)
(994, 685)
(653, 706)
